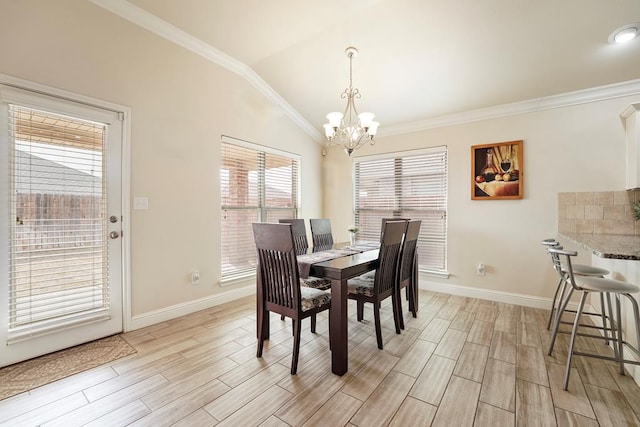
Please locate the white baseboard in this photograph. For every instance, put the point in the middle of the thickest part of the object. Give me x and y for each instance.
(490, 295)
(168, 313)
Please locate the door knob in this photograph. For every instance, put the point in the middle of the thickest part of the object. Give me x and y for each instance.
(114, 235)
(113, 219)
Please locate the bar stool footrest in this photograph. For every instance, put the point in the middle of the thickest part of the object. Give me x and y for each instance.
(582, 325)
(600, 328)
(600, 356)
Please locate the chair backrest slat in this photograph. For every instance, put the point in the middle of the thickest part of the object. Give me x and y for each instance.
(321, 232)
(409, 249)
(389, 257)
(385, 220)
(299, 234)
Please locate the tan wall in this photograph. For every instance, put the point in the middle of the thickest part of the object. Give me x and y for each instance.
(572, 149)
(180, 105)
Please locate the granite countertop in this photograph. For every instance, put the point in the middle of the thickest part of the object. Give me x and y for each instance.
(615, 246)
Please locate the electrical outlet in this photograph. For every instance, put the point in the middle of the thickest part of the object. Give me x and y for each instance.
(480, 271)
(195, 277)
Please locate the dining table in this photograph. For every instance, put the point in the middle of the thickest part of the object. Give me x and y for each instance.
(346, 262)
(340, 270)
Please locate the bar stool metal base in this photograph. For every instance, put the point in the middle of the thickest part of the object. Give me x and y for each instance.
(619, 343)
(606, 288)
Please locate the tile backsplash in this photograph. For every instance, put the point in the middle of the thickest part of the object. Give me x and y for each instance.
(598, 212)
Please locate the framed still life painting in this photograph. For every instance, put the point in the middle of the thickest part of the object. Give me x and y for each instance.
(496, 171)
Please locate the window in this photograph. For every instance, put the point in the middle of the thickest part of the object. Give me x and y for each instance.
(58, 271)
(407, 185)
(257, 184)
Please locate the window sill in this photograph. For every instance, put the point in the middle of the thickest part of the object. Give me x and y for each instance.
(434, 273)
(230, 281)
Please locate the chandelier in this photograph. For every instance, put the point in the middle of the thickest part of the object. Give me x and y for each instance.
(350, 129)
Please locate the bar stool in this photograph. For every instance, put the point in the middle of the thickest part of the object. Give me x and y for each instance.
(606, 287)
(586, 271)
(579, 270)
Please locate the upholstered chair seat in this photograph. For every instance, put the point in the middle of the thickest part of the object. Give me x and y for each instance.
(316, 282)
(362, 285)
(313, 298)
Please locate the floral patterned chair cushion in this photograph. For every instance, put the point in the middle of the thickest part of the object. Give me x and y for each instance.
(362, 284)
(316, 282)
(312, 298)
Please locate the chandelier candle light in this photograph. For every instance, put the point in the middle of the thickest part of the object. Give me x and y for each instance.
(350, 129)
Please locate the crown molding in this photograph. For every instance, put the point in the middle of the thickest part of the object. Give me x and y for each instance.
(568, 99)
(152, 23)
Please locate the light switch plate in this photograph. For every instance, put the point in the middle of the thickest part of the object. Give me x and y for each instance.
(140, 203)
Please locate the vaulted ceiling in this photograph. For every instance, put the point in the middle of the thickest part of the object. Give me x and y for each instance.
(418, 58)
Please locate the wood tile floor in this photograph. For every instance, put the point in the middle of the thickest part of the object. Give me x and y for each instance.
(462, 362)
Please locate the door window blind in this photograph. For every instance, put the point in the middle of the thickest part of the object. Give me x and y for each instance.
(58, 269)
(256, 185)
(407, 185)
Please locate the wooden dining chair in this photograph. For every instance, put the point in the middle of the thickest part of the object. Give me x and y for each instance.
(405, 281)
(383, 283)
(321, 232)
(278, 285)
(408, 272)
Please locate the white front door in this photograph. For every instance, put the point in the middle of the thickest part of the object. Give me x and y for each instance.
(61, 214)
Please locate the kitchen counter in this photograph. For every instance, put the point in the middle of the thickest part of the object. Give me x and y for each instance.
(613, 246)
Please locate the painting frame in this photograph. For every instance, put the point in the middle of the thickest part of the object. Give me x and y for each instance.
(497, 171)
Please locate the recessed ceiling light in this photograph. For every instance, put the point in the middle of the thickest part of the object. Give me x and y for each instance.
(625, 33)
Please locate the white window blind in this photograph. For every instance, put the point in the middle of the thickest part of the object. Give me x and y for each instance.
(405, 185)
(58, 269)
(256, 185)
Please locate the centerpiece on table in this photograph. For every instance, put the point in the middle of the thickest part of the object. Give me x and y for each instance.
(353, 229)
